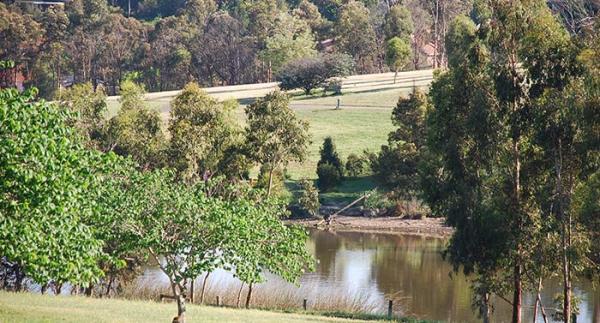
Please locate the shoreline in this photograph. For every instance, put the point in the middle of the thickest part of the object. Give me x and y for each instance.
(429, 227)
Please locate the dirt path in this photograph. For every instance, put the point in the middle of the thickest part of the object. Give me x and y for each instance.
(427, 227)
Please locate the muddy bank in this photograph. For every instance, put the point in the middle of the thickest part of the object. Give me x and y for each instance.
(426, 226)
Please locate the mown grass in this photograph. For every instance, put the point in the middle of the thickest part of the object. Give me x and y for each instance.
(28, 307)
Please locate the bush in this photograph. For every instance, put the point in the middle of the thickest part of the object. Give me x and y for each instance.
(329, 176)
(313, 72)
(356, 165)
(309, 198)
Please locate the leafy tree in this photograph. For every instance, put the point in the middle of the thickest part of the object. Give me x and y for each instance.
(265, 243)
(203, 131)
(398, 23)
(90, 109)
(46, 180)
(486, 165)
(330, 168)
(397, 54)
(274, 136)
(136, 131)
(310, 73)
(309, 198)
(355, 35)
(292, 40)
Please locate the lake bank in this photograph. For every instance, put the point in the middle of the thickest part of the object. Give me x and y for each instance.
(431, 227)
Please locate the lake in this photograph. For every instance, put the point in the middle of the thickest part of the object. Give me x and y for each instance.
(372, 268)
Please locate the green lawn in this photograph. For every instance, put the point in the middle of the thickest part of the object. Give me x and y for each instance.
(28, 307)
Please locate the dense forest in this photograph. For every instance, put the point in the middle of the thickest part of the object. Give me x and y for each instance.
(166, 44)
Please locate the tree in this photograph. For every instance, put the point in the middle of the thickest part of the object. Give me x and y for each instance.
(46, 180)
(309, 198)
(291, 40)
(398, 23)
(203, 131)
(397, 55)
(397, 164)
(90, 109)
(274, 136)
(310, 73)
(136, 131)
(330, 168)
(485, 165)
(355, 35)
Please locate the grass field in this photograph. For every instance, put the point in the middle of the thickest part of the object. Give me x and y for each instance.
(28, 307)
(362, 123)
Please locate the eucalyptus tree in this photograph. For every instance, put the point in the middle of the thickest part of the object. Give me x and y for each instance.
(136, 130)
(397, 54)
(204, 134)
(90, 108)
(483, 173)
(274, 135)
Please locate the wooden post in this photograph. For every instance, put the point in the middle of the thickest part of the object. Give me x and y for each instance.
(304, 304)
(218, 301)
(337, 106)
(390, 305)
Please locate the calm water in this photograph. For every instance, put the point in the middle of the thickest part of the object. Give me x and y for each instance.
(410, 271)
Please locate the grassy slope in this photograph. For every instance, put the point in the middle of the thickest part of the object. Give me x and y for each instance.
(27, 307)
(362, 123)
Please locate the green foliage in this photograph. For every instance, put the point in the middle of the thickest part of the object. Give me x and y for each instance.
(90, 109)
(398, 23)
(356, 36)
(292, 40)
(328, 176)
(356, 165)
(274, 135)
(204, 136)
(309, 198)
(330, 169)
(46, 181)
(277, 179)
(311, 73)
(136, 131)
(397, 164)
(397, 53)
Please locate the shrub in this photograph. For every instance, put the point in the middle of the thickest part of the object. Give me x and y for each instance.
(329, 176)
(309, 198)
(355, 165)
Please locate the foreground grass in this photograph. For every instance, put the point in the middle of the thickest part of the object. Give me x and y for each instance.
(28, 307)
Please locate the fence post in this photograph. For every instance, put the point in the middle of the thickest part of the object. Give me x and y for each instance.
(218, 301)
(304, 304)
(390, 305)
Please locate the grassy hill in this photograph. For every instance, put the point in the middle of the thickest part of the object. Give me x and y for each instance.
(363, 122)
(28, 307)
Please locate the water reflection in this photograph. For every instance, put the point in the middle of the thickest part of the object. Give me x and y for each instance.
(410, 271)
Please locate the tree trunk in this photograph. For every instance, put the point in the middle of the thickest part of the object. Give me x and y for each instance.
(180, 308)
(270, 181)
(395, 75)
(517, 271)
(89, 290)
(239, 296)
(565, 235)
(203, 288)
(192, 283)
(44, 288)
(249, 296)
